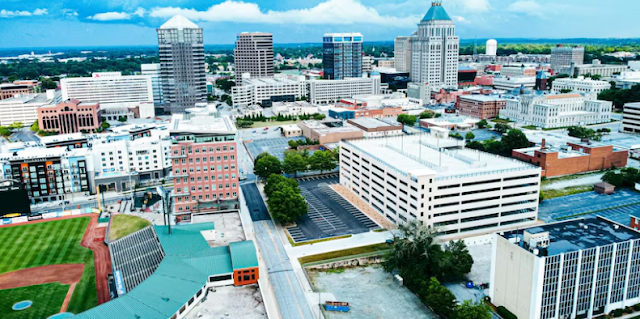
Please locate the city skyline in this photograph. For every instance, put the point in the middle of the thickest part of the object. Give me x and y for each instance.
(89, 23)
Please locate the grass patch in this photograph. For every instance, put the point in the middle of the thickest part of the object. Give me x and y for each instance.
(503, 121)
(530, 127)
(552, 180)
(553, 193)
(51, 243)
(294, 244)
(47, 300)
(123, 225)
(344, 253)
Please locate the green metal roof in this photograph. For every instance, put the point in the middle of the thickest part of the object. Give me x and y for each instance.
(436, 12)
(243, 254)
(185, 269)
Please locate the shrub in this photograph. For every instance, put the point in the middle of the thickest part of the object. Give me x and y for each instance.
(636, 307)
(505, 313)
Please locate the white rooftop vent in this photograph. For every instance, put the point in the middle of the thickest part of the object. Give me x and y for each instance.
(616, 226)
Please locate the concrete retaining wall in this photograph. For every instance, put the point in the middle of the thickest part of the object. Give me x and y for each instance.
(353, 262)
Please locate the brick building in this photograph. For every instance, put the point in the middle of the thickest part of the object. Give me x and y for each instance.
(204, 155)
(9, 90)
(573, 158)
(480, 106)
(70, 116)
(376, 128)
(328, 131)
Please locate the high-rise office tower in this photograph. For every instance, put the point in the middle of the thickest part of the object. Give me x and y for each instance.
(254, 55)
(342, 55)
(153, 70)
(181, 64)
(562, 57)
(434, 49)
(402, 54)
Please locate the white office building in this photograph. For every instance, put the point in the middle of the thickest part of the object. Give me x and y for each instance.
(597, 68)
(402, 54)
(517, 71)
(626, 79)
(109, 87)
(435, 48)
(322, 92)
(581, 268)
(514, 82)
(580, 84)
(458, 191)
(631, 118)
(23, 108)
(293, 108)
(559, 110)
(265, 91)
(153, 70)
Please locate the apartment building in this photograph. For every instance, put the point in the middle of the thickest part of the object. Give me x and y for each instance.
(205, 163)
(510, 83)
(109, 87)
(631, 118)
(480, 106)
(581, 268)
(24, 108)
(70, 116)
(580, 84)
(324, 92)
(342, 55)
(557, 110)
(266, 91)
(458, 191)
(253, 54)
(562, 57)
(48, 174)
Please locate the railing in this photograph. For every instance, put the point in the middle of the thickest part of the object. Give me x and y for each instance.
(501, 171)
(374, 158)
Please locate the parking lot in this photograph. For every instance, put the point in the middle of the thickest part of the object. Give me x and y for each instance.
(566, 206)
(329, 213)
(274, 146)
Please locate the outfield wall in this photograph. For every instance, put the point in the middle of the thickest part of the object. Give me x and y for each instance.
(65, 213)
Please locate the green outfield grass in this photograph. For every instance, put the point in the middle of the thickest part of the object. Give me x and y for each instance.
(123, 225)
(50, 243)
(47, 300)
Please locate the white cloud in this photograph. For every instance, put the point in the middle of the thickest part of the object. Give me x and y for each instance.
(476, 5)
(459, 19)
(17, 13)
(110, 16)
(528, 7)
(329, 12)
(140, 12)
(69, 12)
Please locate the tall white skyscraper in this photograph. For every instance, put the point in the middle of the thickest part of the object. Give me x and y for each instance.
(402, 54)
(434, 49)
(492, 47)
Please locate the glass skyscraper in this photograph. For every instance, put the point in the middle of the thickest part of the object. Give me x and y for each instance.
(342, 55)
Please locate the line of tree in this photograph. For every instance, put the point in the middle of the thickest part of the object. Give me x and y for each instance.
(619, 97)
(585, 132)
(428, 114)
(248, 120)
(284, 200)
(296, 162)
(514, 139)
(307, 141)
(406, 119)
(423, 263)
(627, 177)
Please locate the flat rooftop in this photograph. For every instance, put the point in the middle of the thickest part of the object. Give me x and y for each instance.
(577, 234)
(419, 155)
(26, 98)
(481, 98)
(269, 81)
(201, 122)
(243, 302)
(371, 123)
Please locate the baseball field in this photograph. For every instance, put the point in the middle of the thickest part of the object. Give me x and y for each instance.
(50, 263)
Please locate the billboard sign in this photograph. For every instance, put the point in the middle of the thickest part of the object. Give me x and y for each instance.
(119, 283)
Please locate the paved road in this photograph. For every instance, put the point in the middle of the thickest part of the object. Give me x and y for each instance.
(24, 135)
(289, 294)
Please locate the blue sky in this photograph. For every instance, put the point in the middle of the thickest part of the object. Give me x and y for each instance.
(40, 23)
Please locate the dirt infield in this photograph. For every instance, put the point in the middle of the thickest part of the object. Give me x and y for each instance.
(66, 274)
(101, 257)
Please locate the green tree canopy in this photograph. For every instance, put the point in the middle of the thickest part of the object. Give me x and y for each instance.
(515, 139)
(5, 131)
(471, 310)
(105, 125)
(409, 120)
(483, 123)
(627, 177)
(501, 127)
(287, 205)
(34, 127)
(16, 126)
(261, 155)
(428, 114)
(276, 182)
(322, 161)
(469, 136)
(294, 163)
(439, 298)
(266, 166)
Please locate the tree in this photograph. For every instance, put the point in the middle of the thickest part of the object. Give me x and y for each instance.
(286, 205)
(409, 120)
(470, 310)
(294, 163)
(5, 131)
(483, 123)
(565, 91)
(266, 166)
(276, 182)
(34, 126)
(596, 77)
(322, 161)
(581, 132)
(475, 145)
(12, 78)
(469, 136)
(16, 126)
(293, 144)
(457, 260)
(627, 177)
(105, 125)
(502, 128)
(261, 155)
(439, 298)
(428, 114)
(122, 119)
(515, 139)
(319, 116)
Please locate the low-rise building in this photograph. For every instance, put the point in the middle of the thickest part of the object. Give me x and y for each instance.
(377, 127)
(373, 112)
(70, 116)
(597, 68)
(9, 90)
(557, 110)
(517, 71)
(573, 158)
(457, 191)
(626, 79)
(250, 111)
(480, 106)
(459, 123)
(328, 131)
(109, 87)
(24, 108)
(581, 268)
(514, 82)
(265, 91)
(291, 130)
(294, 108)
(321, 92)
(580, 84)
(419, 93)
(631, 118)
